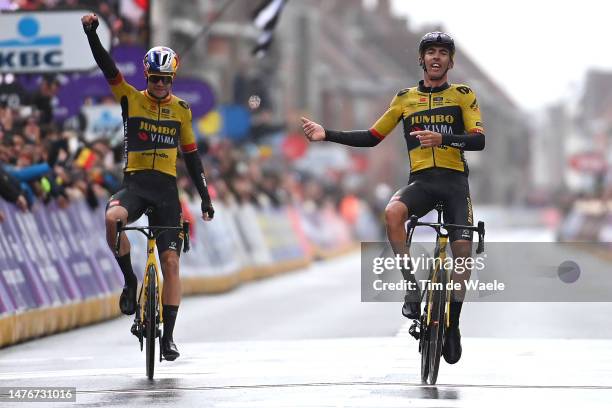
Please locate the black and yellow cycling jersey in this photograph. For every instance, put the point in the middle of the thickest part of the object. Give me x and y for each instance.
(153, 129)
(448, 109)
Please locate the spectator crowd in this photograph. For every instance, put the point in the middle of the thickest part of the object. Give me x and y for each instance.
(44, 161)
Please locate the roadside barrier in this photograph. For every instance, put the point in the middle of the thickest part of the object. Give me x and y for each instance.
(57, 273)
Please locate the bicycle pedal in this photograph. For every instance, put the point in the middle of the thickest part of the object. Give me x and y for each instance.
(414, 330)
(136, 329)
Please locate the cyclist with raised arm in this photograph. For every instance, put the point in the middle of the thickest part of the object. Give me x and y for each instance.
(156, 123)
(440, 122)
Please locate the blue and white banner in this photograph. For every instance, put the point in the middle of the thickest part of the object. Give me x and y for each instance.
(49, 41)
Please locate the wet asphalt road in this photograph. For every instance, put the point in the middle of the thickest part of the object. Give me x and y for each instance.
(304, 339)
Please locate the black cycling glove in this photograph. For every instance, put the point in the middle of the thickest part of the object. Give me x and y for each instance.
(196, 172)
(208, 209)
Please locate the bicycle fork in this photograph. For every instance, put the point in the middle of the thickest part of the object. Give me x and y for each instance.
(416, 329)
(142, 300)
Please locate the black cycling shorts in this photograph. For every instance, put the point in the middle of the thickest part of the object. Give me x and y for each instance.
(157, 192)
(428, 187)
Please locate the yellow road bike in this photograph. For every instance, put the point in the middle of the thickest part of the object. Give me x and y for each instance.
(149, 317)
(435, 319)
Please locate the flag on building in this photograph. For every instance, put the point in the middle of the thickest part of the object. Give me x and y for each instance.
(265, 18)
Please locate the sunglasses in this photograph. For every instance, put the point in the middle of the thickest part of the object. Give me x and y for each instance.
(164, 78)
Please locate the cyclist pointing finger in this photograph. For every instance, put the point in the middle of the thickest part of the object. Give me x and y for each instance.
(440, 122)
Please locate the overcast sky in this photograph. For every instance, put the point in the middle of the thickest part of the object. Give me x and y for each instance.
(538, 50)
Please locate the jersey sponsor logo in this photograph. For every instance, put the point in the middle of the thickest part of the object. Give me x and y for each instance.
(464, 90)
(474, 106)
(439, 128)
(157, 138)
(424, 119)
(403, 91)
(466, 234)
(162, 155)
(124, 113)
(162, 130)
(438, 98)
(470, 217)
(183, 104)
(422, 99)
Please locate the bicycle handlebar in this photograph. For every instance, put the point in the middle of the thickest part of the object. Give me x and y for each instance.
(414, 222)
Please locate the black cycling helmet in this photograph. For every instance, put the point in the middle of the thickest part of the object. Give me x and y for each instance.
(437, 38)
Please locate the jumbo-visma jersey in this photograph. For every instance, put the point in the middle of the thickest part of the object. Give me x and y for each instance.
(153, 129)
(445, 109)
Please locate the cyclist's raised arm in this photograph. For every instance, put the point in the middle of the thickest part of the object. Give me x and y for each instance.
(102, 57)
(119, 87)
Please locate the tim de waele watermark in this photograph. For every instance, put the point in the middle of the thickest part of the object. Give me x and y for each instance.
(459, 265)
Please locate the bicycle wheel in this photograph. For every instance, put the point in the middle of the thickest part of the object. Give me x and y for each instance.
(150, 320)
(424, 341)
(437, 326)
